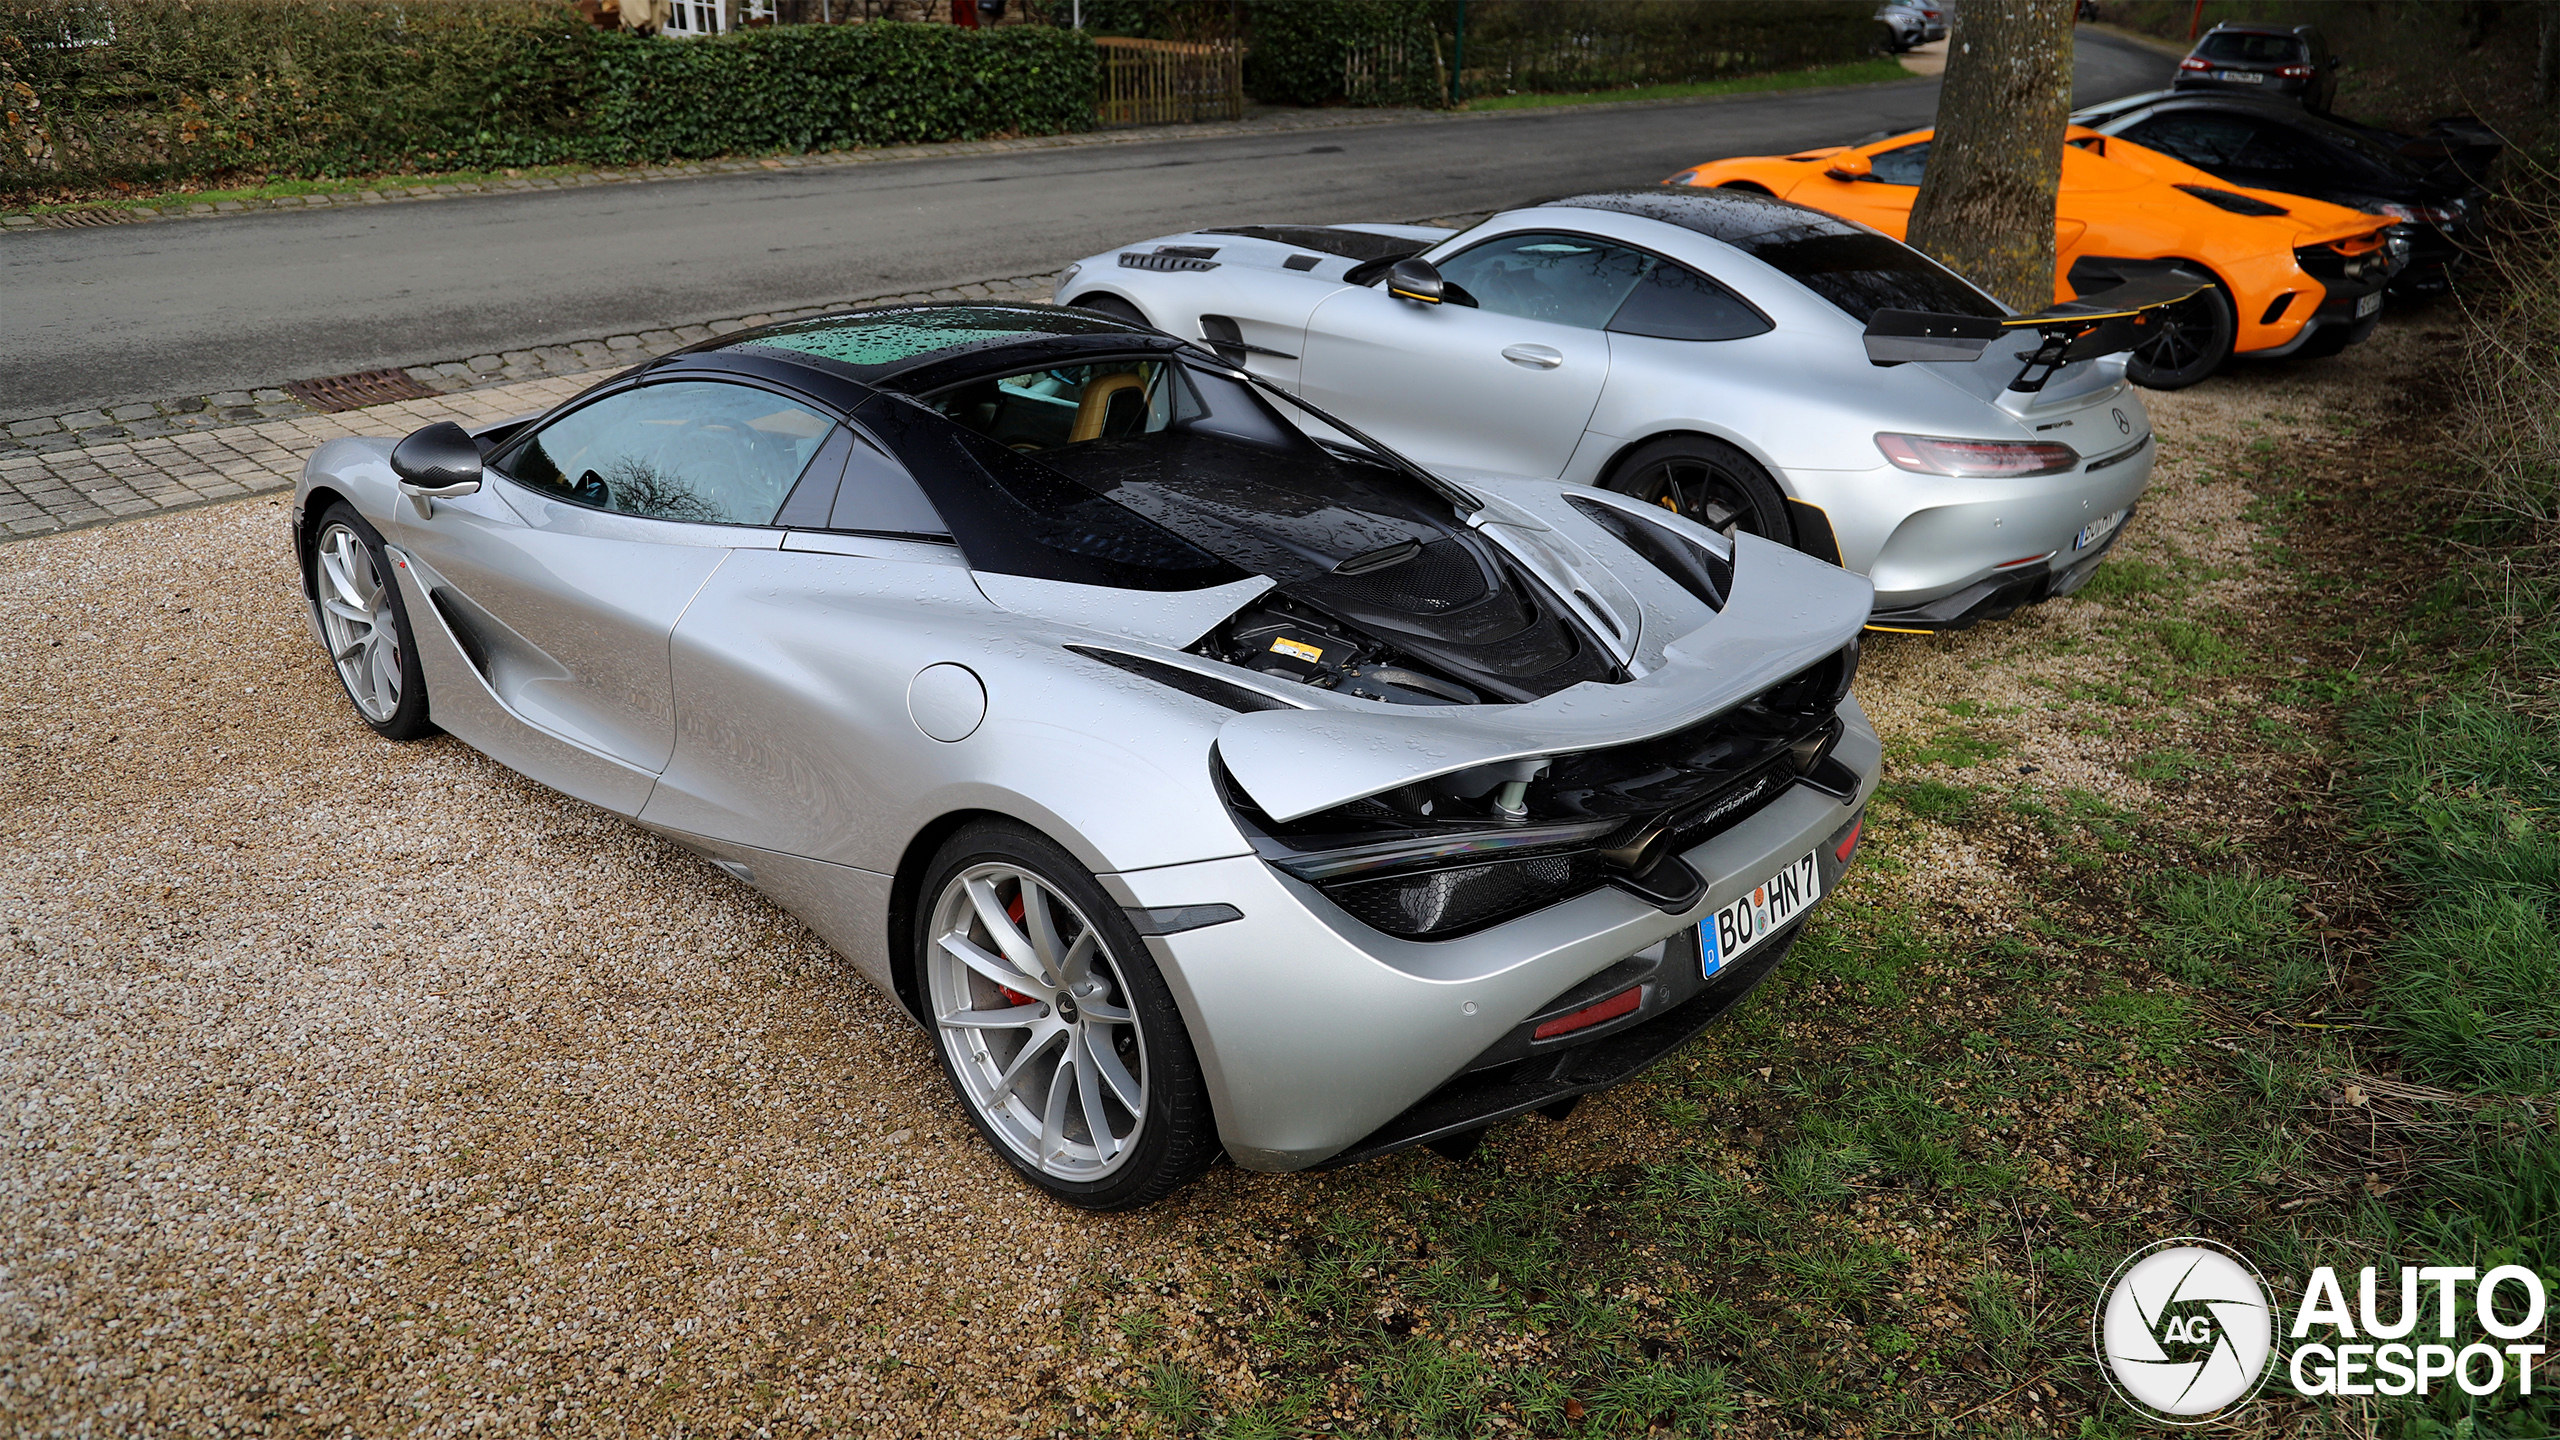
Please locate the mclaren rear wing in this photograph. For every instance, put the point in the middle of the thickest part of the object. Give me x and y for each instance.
(2119, 317)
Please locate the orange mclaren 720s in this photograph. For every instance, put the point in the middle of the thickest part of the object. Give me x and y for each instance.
(2290, 276)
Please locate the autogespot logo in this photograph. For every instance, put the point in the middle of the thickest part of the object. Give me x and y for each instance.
(2184, 1330)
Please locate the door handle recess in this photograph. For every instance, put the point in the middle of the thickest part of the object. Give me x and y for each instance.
(1536, 357)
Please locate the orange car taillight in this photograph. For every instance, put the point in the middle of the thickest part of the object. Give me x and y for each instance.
(1976, 459)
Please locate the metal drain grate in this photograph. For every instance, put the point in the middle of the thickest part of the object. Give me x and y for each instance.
(90, 217)
(353, 392)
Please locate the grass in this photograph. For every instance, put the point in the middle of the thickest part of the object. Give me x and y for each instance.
(1882, 1194)
(1862, 72)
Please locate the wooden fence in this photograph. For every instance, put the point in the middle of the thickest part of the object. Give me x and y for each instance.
(1402, 69)
(1164, 82)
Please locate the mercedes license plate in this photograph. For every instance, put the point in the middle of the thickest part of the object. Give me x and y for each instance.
(2368, 304)
(1761, 913)
(2243, 77)
(2097, 530)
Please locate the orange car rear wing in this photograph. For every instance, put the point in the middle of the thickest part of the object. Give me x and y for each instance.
(2117, 318)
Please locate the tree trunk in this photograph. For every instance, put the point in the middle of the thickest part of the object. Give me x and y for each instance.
(2546, 55)
(1985, 207)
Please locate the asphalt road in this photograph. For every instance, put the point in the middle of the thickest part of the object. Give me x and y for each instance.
(96, 317)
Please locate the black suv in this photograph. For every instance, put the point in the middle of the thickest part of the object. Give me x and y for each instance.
(2262, 59)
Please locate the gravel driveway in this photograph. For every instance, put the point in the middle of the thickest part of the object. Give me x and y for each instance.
(359, 1088)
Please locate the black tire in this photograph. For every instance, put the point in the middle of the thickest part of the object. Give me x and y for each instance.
(2193, 342)
(403, 713)
(1708, 481)
(1177, 1137)
(1113, 306)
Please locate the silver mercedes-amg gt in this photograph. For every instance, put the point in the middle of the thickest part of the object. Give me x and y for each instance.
(1196, 784)
(1707, 350)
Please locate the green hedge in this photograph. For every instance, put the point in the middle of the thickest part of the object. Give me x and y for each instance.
(1300, 46)
(830, 87)
(1570, 45)
(141, 91)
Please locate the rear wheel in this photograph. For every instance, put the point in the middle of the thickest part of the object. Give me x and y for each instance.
(1054, 1028)
(2192, 341)
(365, 625)
(1708, 481)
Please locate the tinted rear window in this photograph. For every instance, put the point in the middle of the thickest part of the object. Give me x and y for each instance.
(1015, 516)
(2243, 49)
(1863, 273)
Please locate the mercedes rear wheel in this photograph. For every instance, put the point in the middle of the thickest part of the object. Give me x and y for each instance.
(1708, 481)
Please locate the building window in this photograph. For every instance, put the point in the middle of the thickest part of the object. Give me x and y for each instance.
(690, 18)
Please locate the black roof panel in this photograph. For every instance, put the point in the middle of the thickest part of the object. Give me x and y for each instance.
(878, 347)
(1737, 217)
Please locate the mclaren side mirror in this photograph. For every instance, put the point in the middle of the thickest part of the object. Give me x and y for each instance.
(1414, 278)
(437, 462)
(1849, 167)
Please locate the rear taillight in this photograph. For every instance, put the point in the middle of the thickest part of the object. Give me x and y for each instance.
(1622, 1003)
(2431, 214)
(1987, 459)
(1848, 845)
(2194, 63)
(2296, 72)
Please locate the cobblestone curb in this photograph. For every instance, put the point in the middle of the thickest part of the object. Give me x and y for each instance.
(46, 434)
(179, 208)
(179, 457)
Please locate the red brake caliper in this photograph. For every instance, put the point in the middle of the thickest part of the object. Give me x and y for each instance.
(1013, 912)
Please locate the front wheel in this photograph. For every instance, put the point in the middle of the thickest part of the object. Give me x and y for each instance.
(366, 626)
(1054, 1028)
(1709, 481)
(2191, 340)
(1113, 306)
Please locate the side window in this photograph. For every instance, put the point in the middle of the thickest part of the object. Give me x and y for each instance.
(855, 485)
(2200, 140)
(1900, 167)
(2277, 147)
(1561, 279)
(1673, 302)
(692, 450)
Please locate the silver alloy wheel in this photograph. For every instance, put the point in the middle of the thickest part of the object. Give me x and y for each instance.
(355, 615)
(1035, 1017)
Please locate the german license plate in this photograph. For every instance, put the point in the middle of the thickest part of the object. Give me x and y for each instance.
(2242, 77)
(1763, 912)
(2368, 304)
(2097, 530)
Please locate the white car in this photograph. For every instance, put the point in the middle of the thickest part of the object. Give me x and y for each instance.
(1752, 364)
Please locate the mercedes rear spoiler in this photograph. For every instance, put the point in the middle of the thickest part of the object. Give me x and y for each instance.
(2116, 318)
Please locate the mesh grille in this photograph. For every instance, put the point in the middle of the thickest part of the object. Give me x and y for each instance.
(1443, 577)
(1446, 903)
